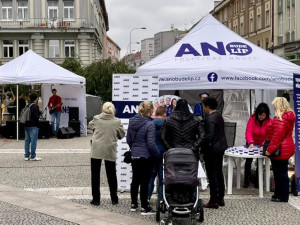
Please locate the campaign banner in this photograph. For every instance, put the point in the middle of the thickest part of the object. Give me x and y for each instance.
(296, 85)
(128, 92)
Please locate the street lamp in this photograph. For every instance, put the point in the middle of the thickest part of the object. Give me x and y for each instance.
(138, 28)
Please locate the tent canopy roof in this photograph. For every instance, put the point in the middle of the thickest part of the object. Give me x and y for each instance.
(211, 56)
(30, 68)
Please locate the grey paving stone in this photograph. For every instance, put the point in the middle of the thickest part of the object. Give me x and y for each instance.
(13, 215)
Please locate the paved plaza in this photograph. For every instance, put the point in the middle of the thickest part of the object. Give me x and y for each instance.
(57, 190)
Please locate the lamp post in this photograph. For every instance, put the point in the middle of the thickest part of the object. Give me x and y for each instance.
(138, 28)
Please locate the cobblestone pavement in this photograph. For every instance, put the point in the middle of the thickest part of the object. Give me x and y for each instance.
(64, 173)
(14, 215)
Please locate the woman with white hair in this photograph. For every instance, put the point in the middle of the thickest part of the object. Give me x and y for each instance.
(107, 130)
(279, 133)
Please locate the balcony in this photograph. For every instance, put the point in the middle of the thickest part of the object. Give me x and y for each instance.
(44, 23)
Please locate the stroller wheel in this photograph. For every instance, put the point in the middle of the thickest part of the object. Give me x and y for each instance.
(165, 222)
(201, 211)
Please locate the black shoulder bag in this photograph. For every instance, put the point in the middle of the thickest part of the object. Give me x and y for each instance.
(127, 155)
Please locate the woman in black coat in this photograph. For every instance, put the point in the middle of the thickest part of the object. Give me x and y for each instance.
(213, 148)
(182, 129)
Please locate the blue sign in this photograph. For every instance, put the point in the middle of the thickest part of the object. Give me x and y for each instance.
(238, 48)
(126, 109)
(296, 85)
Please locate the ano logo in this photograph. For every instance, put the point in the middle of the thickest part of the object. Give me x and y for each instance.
(233, 48)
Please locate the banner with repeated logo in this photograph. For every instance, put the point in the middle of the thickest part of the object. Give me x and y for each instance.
(296, 84)
(128, 92)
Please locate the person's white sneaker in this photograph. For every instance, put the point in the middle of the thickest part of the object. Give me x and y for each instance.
(26, 159)
(36, 159)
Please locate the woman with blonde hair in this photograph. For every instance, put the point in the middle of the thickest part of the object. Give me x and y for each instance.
(141, 140)
(279, 133)
(107, 130)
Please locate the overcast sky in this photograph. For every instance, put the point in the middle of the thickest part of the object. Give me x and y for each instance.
(155, 15)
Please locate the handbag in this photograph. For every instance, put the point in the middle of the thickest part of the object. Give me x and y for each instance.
(274, 154)
(127, 157)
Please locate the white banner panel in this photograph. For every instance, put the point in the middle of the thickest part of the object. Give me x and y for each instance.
(72, 96)
(128, 92)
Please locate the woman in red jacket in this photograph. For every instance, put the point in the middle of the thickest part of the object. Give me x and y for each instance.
(255, 134)
(279, 132)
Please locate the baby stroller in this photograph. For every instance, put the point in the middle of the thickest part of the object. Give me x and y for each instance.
(180, 187)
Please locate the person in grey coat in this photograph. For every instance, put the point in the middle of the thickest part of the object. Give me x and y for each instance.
(142, 141)
(107, 130)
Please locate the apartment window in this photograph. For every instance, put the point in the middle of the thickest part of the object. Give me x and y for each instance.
(53, 48)
(7, 10)
(258, 21)
(268, 18)
(150, 52)
(267, 43)
(150, 45)
(242, 4)
(23, 46)
(280, 24)
(69, 48)
(258, 43)
(22, 9)
(69, 10)
(235, 7)
(242, 29)
(8, 49)
(251, 25)
(52, 9)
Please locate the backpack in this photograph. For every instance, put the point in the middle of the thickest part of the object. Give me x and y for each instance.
(25, 114)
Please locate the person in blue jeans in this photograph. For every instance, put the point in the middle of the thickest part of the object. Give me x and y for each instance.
(158, 165)
(32, 130)
(55, 104)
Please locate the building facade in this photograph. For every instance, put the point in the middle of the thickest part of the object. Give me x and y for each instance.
(251, 19)
(287, 29)
(147, 49)
(112, 50)
(133, 61)
(54, 29)
(164, 40)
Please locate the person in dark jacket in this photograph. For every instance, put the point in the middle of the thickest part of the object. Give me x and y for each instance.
(280, 134)
(32, 130)
(182, 129)
(141, 140)
(213, 148)
(158, 164)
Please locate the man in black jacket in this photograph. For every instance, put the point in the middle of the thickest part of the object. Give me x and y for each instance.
(32, 130)
(213, 147)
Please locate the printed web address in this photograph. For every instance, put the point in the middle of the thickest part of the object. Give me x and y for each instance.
(258, 78)
(179, 79)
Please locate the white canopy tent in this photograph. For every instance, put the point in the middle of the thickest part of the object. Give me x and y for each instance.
(211, 56)
(30, 68)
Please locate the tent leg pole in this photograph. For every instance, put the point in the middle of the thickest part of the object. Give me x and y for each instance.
(250, 113)
(17, 112)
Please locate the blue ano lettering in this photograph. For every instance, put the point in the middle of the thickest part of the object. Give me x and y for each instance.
(219, 49)
(189, 48)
